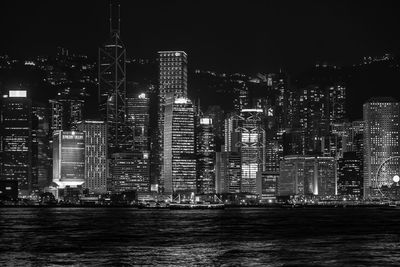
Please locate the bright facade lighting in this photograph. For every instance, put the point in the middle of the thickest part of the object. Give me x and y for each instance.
(17, 93)
(181, 100)
(205, 121)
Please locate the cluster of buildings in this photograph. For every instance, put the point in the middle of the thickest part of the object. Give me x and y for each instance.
(276, 142)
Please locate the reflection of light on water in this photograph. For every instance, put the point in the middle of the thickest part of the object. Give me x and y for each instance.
(230, 237)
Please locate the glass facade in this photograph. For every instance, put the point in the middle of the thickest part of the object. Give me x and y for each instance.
(96, 169)
(16, 139)
(205, 156)
(307, 175)
(381, 141)
(172, 80)
(68, 158)
(179, 173)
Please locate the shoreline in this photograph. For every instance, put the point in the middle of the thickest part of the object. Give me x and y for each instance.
(277, 206)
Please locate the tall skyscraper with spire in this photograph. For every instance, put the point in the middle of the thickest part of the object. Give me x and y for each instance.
(112, 84)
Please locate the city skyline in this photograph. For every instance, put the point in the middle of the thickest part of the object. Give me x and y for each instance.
(199, 134)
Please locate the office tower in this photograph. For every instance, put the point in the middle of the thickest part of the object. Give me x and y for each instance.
(127, 173)
(179, 162)
(356, 139)
(350, 175)
(96, 168)
(138, 120)
(112, 86)
(173, 74)
(228, 172)
(245, 134)
(234, 181)
(41, 158)
(267, 186)
(172, 80)
(293, 142)
(336, 103)
(337, 142)
(307, 175)
(217, 116)
(57, 115)
(66, 112)
(231, 136)
(319, 107)
(138, 112)
(279, 98)
(68, 158)
(73, 112)
(16, 139)
(312, 118)
(221, 170)
(241, 92)
(205, 156)
(381, 142)
(273, 139)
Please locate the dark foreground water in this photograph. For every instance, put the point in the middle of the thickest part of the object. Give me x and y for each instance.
(231, 237)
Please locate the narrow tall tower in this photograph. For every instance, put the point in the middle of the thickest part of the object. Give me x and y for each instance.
(112, 84)
(172, 81)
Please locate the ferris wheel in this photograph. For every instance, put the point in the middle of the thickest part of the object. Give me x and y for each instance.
(387, 174)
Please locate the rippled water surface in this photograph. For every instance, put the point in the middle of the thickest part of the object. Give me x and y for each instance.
(230, 237)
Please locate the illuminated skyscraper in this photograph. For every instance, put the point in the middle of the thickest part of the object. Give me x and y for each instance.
(41, 157)
(252, 148)
(68, 158)
(267, 186)
(96, 168)
(138, 119)
(138, 112)
(128, 173)
(112, 86)
(179, 162)
(228, 172)
(205, 156)
(241, 92)
(350, 175)
(66, 112)
(307, 175)
(16, 139)
(320, 107)
(172, 80)
(381, 141)
(245, 134)
(173, 74)
(57, 115)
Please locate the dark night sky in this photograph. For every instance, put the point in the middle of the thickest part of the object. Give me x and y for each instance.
(244, 36)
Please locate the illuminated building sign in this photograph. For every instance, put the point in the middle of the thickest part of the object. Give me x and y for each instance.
(17, 93)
